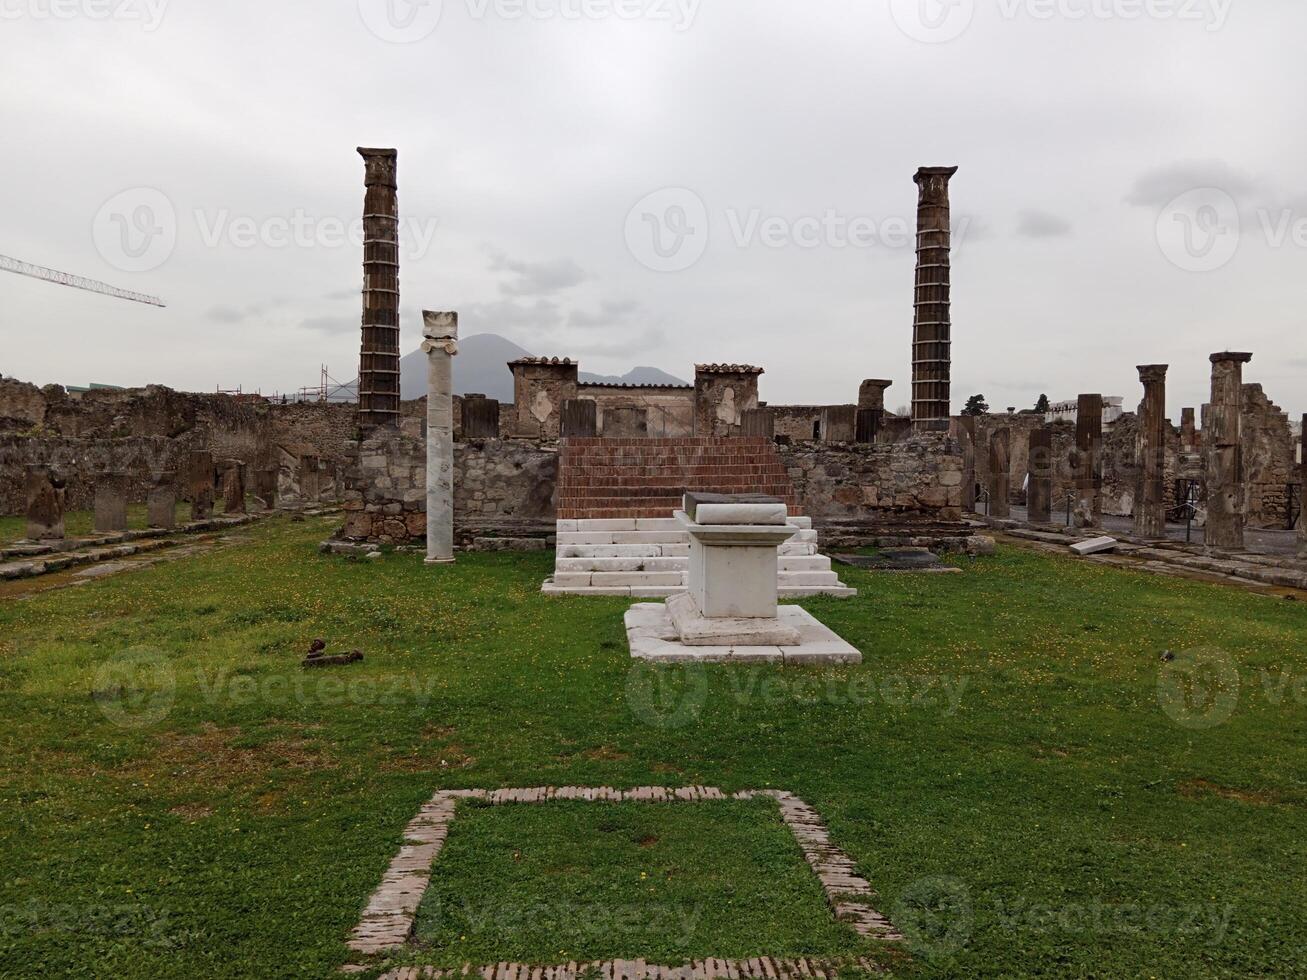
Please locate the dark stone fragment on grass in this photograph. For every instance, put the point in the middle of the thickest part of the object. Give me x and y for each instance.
(340, 660)
(317, 646)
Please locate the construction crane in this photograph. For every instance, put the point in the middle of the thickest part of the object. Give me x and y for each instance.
(77, 282)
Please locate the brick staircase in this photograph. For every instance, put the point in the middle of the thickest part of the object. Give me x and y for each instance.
(603, 479)
(616, 533)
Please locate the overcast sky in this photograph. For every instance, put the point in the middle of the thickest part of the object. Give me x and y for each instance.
(661, 182)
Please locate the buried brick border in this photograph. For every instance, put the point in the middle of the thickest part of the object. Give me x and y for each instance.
(387, 921)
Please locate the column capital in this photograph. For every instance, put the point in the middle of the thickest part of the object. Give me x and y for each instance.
(440, 332)
(380, 164)
(1152, 373)
(1222, 356)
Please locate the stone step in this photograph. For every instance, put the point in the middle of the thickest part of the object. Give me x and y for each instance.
(789, 549)
(804, 536)
(663, 592)
(589, 525)
(671, 563)
(583, 579)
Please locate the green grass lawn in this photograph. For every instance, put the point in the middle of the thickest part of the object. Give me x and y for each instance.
(1001, 767)
(596, 881)
(79, 523)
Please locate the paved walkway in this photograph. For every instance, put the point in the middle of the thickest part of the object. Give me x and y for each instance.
(1258, 540)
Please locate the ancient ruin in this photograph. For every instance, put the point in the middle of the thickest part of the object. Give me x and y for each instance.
(1224, 463)
(1150, 501)
(932, 326)
(378, 390)
(440, 331)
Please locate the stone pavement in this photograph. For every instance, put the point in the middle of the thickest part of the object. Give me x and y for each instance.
(759, 968)
(387, 920)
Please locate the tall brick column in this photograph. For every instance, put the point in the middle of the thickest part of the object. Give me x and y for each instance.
(379, 350)
(1000, 480)
(932, 327)
(1302, 496)
(1223, 462)
(440, 331)
(1150, 495)
(1089, 461)
(1039, 488)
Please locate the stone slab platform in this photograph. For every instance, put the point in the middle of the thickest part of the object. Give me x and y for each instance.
(652, 636)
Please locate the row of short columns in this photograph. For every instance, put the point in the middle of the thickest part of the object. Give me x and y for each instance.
(46, 495)
(1223, 460)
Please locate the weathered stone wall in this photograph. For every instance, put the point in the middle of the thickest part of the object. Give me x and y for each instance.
(806, 423)
(501, 487)
(918, 479)
(722, 394)
(145, 431)
(540, 386)
(669, 408)
(1268, 459)
(22, 405)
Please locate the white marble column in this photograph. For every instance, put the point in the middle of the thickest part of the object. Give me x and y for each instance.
(440, 331)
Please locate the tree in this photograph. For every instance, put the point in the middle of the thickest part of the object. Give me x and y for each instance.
(976, 405)
(1041, 406)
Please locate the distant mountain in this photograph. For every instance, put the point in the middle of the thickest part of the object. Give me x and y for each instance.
(635, 376)
(482, 367)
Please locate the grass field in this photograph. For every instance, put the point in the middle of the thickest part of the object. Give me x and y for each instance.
(79, 523)
(1016, 768)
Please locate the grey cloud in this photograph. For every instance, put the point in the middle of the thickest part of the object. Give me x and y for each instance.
(1041, 224)
(537, 278)
(610, 313)
(331, 324)
(1159, 187)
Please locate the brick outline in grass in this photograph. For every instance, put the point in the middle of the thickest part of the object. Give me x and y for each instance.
(389, 916)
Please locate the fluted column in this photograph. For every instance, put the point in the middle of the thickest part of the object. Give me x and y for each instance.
(1223, 453)
(1000, 480)
(1302, 496)
(1039, 486)
(440, 344)
(1150, 495)
(379, 347)
(1089, 461)
(932, 325)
